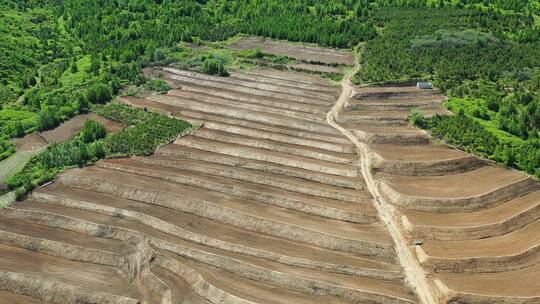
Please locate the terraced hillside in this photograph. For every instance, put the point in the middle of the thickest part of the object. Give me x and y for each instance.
(479, 223)
(264, 204)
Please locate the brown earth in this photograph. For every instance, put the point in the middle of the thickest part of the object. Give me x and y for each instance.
(72, 127)
(478, 223)
(297, 51)
(29, 142)
(314, 68)
(263, 204)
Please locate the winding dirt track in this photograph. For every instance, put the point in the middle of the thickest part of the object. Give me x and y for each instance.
(414, 272)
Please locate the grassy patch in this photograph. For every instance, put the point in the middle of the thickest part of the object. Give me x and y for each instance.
(77, 78)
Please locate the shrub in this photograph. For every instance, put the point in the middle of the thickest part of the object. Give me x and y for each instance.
(19, 129)
(92, 131)
(158, 85)
(46, 120)
(417, 118)
(214, 67)
(98, 93)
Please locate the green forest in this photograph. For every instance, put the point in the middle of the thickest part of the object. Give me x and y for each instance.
(61, 58)
(485, 57)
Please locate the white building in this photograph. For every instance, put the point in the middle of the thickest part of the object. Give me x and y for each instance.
(424, 85)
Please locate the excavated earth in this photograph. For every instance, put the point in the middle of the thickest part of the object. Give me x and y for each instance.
(477, 225)
(263, 204)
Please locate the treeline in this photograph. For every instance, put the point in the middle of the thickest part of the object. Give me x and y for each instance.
(127, 30)
(144, 132)
(60, 56)
(474, 137)
(332, 23)
(149, 132)
(484, 56)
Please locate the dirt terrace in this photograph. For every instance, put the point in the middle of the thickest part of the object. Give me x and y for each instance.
(72, 127)
(297, 51)
(262, 205)
(479, 224)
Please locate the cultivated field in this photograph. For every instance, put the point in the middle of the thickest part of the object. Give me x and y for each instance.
(263, 204)
(32, 144)
(72, 127)
(296, 51)
(478, 222)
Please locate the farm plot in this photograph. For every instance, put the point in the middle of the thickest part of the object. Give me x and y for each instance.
(263, 204)
(296, 51)
(33, 144)
(477, 224)
(72, 127)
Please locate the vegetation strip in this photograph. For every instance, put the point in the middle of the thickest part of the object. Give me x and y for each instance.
(145, 131)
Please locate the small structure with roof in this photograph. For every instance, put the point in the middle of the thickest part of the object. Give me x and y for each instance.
(424, 85)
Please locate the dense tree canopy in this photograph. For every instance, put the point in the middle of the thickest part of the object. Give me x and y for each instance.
(59, 57)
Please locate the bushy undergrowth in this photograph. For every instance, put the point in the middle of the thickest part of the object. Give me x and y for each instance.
(144, 132)
(7, 148)
(470, 134)
(157, 85)
(92, 131)
(43, 167)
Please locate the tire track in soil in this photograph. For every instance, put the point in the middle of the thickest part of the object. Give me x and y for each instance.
(415, 274)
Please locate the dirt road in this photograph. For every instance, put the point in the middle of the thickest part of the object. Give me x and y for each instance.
(415, 275)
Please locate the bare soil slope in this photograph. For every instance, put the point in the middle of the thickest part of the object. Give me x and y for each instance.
(479, 224)
(262, 205)
(297, 51)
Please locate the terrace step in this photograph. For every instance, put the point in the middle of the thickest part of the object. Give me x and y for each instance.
(22, 266)
(390, 92)
(227, 82)
(284, 81)
(63, 244)
(217, 285)
(288, 109)
(383, 118)
(220, 122)
(423, 103)
(309, 204)
(264, 178)
(250, 115)
(287, 139)
(371, 118)
(404, 135)
(455, 193)
(514, 250)
(516, 287)
(48, 290)
(499, 220)
(14, 298)
(311, 282)
(266, 155)
(274, 146)
(223, 90)
(423, 160)
(181, 292)
(214, 234)
(347, 237)
(293, 77)
(177, 152)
